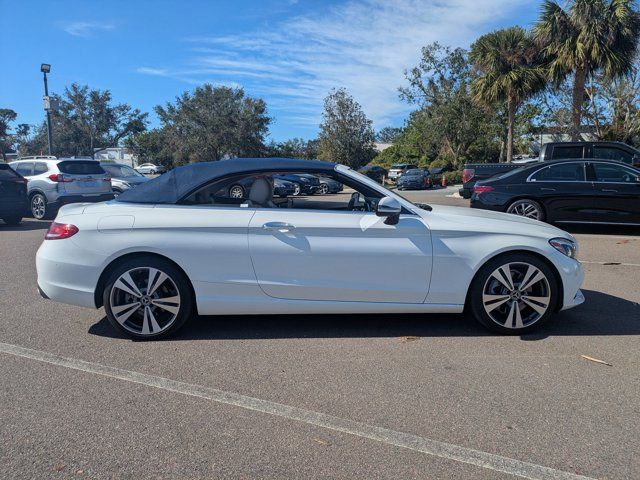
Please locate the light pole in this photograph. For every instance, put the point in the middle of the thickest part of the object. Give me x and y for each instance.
(46, 68)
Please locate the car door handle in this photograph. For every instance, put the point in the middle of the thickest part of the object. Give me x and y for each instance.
(279, 226)
(609, 190)
(548, 189)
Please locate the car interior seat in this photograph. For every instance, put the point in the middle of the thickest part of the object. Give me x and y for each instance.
(261, 194)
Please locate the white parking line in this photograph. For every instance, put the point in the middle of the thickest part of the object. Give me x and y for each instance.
(379, 434)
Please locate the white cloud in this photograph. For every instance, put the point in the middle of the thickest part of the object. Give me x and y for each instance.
(85, 29)
(362, 45)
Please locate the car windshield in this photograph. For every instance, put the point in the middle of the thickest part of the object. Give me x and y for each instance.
(121, 171)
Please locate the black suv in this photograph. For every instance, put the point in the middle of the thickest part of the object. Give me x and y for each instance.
(14, 202)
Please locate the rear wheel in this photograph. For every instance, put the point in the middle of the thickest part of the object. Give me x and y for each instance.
(296, 189)
(39, 208)
(147, 298)
(527, 208)
(514, 293)
(324, 189)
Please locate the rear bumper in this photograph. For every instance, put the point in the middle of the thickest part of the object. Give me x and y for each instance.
(13, 207)
(465, 192)
(67, 199)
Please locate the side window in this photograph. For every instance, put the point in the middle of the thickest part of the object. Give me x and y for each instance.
(25, 169)
(567, 152)
(40, 168)
(564, 172)
(614, 173)
(612, 153)
(294, 190)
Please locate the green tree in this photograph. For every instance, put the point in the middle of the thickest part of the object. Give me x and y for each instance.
(448, 124)
(346, 135)
(85, 120)
(388, 134)
(7, 116)
(294, 148)
(213, 123)
(151, 146)
(511, 70)
(589, 36)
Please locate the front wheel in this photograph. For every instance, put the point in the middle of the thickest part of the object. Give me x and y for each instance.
(324, 189)
(527, 208)
(147, 298)
(514, 293)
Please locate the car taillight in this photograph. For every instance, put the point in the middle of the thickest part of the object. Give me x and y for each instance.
(60, 177)
(58, 231)
(468, 174)
(479, 189)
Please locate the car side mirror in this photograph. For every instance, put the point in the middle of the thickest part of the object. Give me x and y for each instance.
(390, 208)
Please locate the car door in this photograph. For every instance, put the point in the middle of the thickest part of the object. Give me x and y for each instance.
(564, 191)
(340, 256)
(617, 193)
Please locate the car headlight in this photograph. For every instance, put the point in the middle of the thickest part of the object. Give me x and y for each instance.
(565, 246)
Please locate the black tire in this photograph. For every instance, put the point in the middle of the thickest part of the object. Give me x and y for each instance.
(12, 219)
(520, 206)
(39, 208)
(177, 279)
(238, 189)
(324, 189)
(297, 189)
(485, 282)
(116, 192)
(152, 172)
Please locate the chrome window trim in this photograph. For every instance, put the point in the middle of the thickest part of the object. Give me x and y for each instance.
(625, 167)
(584, 172)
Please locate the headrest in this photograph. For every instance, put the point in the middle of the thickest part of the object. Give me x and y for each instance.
(261, 191)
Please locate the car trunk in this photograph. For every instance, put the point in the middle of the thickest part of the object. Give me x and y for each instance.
(84, 178)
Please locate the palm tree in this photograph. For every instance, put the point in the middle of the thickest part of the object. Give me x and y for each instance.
(589, 36)
(510, 71)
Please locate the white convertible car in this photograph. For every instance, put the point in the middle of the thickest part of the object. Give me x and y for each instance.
(181, 245)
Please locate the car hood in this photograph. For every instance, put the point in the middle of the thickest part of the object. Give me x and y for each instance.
(447, 217)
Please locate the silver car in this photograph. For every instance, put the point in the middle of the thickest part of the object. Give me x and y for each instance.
(151, 169)
(56, 182)
(123, 177)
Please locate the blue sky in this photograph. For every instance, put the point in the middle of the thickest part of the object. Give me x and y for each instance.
(288, 52)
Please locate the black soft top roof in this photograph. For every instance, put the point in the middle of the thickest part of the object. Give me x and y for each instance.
(172, 186)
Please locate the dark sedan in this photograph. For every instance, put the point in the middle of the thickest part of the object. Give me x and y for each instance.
(566, 191)
(14, 202)
(329, 185)
(374, 172)
(304, 184)
(414, 179)
(123, 177)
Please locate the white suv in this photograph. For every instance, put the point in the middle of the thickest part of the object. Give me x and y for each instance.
(55, 182)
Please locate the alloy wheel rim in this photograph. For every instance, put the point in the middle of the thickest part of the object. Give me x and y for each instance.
(38, 207)
(525, 209)
(145, 301)
(296, 189)
(516, 295)
(236, 192)
(324, 188)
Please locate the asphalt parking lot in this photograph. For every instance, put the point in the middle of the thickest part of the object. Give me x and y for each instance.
(342, 396)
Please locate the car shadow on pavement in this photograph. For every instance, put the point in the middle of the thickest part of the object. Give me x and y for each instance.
(601, 314)
(24, 226)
